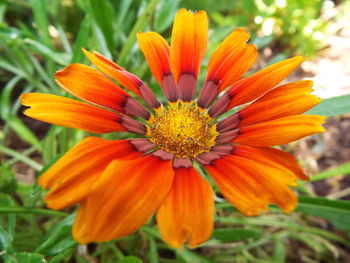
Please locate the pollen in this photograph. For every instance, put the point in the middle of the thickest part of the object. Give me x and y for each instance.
(184, 129)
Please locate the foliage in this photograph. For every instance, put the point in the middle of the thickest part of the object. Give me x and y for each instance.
(39, 37)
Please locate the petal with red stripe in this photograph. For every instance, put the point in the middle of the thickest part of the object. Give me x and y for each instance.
(75, 114)
(90, 85)
(280, 102)
(157, 52)
(227, 64)
(188, 45)
(125, 78)
(255, 85)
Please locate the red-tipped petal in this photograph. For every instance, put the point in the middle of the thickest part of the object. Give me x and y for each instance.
(90, 85)
(156, 50)
(74, 114)
(255, 85)
(270, 106)
(188, 45)
(125, 78)
(227, 64)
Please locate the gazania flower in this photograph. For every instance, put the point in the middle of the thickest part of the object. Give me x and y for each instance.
(120, 184)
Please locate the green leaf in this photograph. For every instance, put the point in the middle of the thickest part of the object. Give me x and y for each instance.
(332, 106)
(23, 131)
(165, 15)
(5, 99)
(47, 52)
(139, 26)
(234, 234)
(102, 14)
(130, 259)
(312, 241)
(7, 235)
(262, 42)
(336, 211)
(40, 16)
(340, 170)
(25, 257)
(123, 11)
(81, 40)
(279, 251)
(20, 157)
(5, 241)
(188, 256)
(58, 239)
(29, 210)
(8, 182)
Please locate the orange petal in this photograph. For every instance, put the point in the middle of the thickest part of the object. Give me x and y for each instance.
(188, 45)
(80, 228)
(75, 114)
(71, 177)
(156, 50)
(125, 78)
(272, 157)
(90, 85)
(259, 83)
(223, 75)
(187, 213)
(280, 131)
(227, 64)
(289, 88)
(123, 198)
(253, 86)
(278, 103)
(251, 186)
(220, 62)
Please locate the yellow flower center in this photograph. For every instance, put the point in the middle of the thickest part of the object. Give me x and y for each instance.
(184, 129)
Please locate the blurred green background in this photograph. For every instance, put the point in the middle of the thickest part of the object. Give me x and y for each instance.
(39, 37)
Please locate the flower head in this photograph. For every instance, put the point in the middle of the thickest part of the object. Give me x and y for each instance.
(120, 184)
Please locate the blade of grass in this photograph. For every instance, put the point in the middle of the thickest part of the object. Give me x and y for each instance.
(139, 25)
(24, 153)
(277, 223)
(41, 19)
(5, 99)
(21, 157)
(101, 13)
(340, 170)
(47, 52)
(29, 210)
(81, 40)
(23, 131)
(123, 9)
(332, 106)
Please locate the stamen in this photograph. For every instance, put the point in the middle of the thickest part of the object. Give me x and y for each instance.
(184, 129)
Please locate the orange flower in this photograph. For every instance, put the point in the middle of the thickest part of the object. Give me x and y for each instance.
(120, 184)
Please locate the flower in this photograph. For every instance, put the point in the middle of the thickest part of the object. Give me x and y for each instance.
(120, 184)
